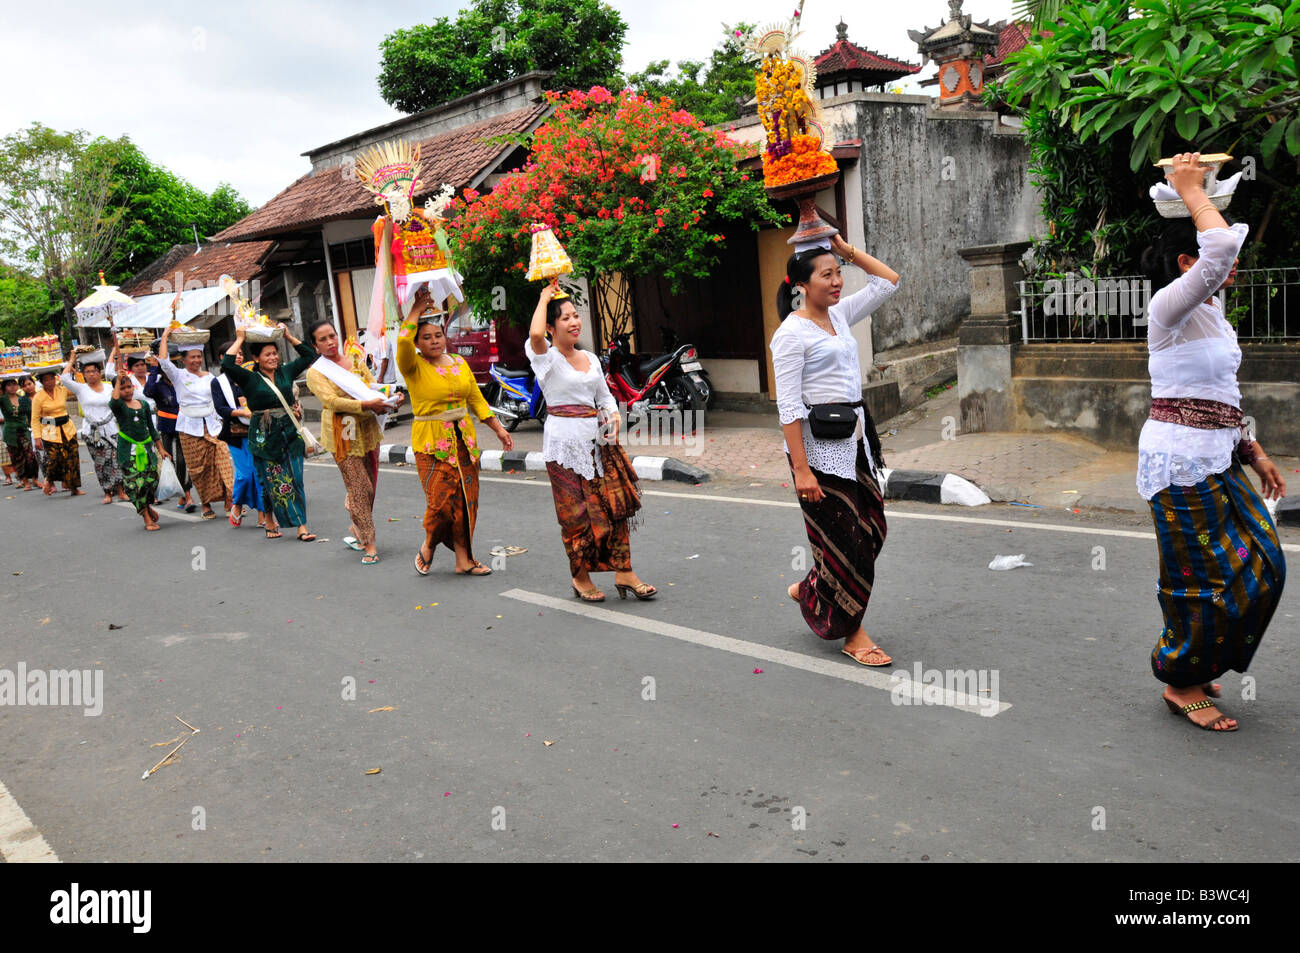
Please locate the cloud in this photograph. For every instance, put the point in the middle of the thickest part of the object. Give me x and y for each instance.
(237, 91)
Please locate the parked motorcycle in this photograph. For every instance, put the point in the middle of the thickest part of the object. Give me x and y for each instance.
(515, 396)
(653, 383)
(690, 366)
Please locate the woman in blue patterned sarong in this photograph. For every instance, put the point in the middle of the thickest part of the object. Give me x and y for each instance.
(1221, 565)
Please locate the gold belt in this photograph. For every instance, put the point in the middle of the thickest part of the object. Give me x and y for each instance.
(456, 413)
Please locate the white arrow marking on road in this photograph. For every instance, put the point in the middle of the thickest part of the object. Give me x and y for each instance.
(20, 841)
(848, 671)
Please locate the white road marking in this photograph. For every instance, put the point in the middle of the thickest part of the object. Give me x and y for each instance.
(846, 670)
(168, 510)
(891, 513)
(20, 841)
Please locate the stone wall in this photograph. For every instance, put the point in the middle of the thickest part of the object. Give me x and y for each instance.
(928, 182)
(1102, 391)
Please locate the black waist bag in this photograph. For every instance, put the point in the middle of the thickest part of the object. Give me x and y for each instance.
(833, 421)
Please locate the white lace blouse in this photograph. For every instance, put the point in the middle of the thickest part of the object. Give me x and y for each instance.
(1193, 353)
(813, 367)
(97, 421)
(571, 441)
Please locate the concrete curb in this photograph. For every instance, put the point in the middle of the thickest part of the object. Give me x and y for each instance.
(1288, 511)
(926, 487)
(647, 468)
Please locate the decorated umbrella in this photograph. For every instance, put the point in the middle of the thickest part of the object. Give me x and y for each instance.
(104, 302)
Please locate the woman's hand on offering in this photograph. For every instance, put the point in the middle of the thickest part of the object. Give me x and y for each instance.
(377, 406)
(1187, 176)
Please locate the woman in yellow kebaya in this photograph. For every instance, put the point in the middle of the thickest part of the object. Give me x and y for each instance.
(443, 392)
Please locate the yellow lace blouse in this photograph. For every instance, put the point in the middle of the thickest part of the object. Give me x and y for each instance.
(436, 390)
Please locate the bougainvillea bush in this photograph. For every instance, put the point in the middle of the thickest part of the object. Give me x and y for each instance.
(629, 185)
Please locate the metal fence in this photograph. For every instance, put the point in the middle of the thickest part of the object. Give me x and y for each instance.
(1263, 304)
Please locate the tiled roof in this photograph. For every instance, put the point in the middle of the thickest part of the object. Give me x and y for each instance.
(454, 157)
(1013, 38)
(240, 260)
(845, 56)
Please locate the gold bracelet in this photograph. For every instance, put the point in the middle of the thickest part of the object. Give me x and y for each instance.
(1207, 205)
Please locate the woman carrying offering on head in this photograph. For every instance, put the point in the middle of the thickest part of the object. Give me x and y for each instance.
(443, 395)
(1221, 565)
(273, 429)
(57, 440)
(199, 427)
(588, 475)
(815, 359)
(159, 391)
(233, 410)
(351, 429)
(17, 410)
(138, 448)
(98, 428)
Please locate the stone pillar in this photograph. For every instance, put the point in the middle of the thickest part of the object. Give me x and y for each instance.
(989, 336)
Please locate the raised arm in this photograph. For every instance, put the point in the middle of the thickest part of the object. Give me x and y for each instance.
(537, 330)
(306, 354)
(879, 289)
(407, 359)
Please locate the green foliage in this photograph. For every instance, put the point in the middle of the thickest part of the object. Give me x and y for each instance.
(1170, 74)
(713, 92)
(25, 306)
(628, 184)
(1117, 85)
(581, 41)
(161, 209)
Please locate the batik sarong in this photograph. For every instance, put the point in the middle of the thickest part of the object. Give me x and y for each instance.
(103, 454)
(63, 464)
(282, 490)
(211, 471)
(142, 485)
(592, 541)
(450, 498)
(846, 531)
(1221, 575)
(23, 457)
(360, 478)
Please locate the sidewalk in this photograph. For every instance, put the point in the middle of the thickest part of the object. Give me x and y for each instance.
(1048, 470)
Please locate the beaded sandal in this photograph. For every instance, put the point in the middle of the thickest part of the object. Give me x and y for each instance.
(1186, 711)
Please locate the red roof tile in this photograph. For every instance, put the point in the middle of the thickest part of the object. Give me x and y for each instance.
(240, 260)
(845, 56)
(1013, 38)
(454, 157)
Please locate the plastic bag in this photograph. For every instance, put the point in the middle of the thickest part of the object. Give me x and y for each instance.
(168, 484)
(1008, 562)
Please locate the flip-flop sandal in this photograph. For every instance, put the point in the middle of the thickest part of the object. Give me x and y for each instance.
(351, 543)
(875, 649)
(369, 559)
(474, 571)
(188, 507)
(235, 522)
(508, 550)
(273, 534)
(209, 515)
(419, 558)
(306, 537)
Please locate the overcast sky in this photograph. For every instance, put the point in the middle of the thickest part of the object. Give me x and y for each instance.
(237, 91)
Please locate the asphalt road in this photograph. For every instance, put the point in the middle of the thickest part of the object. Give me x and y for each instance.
(511, 712)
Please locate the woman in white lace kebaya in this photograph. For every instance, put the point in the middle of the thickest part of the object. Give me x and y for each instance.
(815, 360)
(1221, 566)
(576, 395)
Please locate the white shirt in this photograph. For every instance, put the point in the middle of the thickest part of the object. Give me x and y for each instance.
(570, 441)
(194, 400)
(1193, 353)
(813, 367)
(97, 421)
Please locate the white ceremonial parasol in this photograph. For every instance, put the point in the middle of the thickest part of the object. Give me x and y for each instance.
(105, 301)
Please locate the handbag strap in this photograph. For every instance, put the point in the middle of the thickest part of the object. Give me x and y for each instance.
(283, 403)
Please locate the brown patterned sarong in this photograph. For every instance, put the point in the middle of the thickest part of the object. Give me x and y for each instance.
(211, 469)
(1203, 414)
(63, 464)
(846, 530)
(23, 456)
(592, 540)
(360, 477)
(451, 498)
